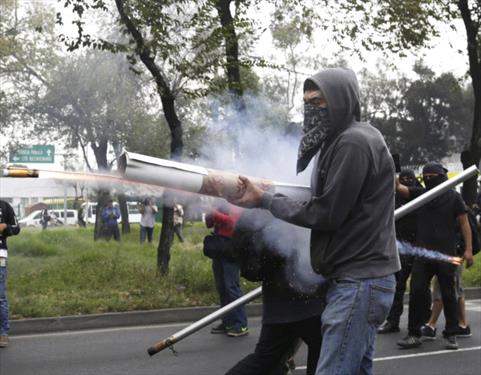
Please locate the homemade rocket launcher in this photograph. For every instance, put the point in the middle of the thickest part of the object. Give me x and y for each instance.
(196, 179)
(399, 213)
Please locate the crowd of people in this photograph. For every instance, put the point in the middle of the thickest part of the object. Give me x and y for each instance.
(353, 237)
(353, 234)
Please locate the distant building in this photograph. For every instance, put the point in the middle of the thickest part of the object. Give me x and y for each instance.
(25, 192)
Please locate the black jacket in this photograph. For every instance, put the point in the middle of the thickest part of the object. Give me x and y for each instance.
(265, 250)
(7, 216)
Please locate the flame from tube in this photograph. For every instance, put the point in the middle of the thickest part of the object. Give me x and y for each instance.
(406, 248)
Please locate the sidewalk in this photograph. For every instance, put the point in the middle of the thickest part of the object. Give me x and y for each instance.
(139, 318)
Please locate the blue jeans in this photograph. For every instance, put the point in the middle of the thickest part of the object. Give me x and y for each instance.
(354, 311)
(227, 282)
(4, 326)
(146, 232)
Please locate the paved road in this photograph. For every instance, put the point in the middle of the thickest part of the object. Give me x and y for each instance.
(123, 351)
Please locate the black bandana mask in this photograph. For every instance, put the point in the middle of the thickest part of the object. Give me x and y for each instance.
(434, 181)
(315, 130)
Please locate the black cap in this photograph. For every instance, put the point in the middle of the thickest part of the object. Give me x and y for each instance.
(435, 168)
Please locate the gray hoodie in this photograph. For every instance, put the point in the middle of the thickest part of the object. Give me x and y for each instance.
(351, 212)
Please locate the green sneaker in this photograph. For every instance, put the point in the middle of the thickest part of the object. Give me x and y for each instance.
(237, 332)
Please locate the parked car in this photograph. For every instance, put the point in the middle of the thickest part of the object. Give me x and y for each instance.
(34, 218)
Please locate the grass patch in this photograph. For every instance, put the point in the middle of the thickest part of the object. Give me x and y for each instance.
(64, 272)
(472, 275)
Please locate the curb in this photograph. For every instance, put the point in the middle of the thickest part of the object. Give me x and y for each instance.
(141, 318)
(123, 319)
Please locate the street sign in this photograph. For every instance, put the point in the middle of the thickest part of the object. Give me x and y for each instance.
(34, 154)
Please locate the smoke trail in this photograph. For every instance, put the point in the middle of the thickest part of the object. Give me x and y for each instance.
(285, 241)
(406, 248)
(260, 142)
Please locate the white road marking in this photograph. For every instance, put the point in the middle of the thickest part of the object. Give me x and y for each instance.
(473, 305)
(394, 357)
(426, 354)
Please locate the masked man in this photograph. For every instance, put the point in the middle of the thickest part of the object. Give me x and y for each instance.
(436, 230)
(351, 217)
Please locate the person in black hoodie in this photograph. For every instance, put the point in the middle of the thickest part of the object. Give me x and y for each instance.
(8, 227)
(436, 230)
(405, 231)
(351, 217)
(268, 250)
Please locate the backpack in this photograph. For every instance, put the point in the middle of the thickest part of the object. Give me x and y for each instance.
(219, 247)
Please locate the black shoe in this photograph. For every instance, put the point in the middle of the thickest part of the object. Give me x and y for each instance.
(219, 329)
(237, 332)
(388, 327)
(409, 342)
(428, 332)
(451, 342)
(463, 332)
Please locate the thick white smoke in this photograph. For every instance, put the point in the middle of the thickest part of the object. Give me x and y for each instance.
(256, 142)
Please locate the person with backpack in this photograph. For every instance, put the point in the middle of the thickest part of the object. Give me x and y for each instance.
(222, 219)
(269, 250)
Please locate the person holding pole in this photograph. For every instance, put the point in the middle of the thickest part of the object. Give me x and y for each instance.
(8, 227)
(267, 250)
(351, 217)
(436, 230)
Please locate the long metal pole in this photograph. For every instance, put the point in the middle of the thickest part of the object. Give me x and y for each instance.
(435, 192)
(194, 327)
(399, 213)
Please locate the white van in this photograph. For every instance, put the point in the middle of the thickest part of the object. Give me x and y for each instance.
(31, 220)
(34, 218)
(71, 216)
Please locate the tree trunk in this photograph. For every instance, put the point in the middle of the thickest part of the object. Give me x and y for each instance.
(165, 241)
(124, 213)
(473, 154)
(175, 126)
(100, 152)
(168, 104)
(232, 53)
(470, 188)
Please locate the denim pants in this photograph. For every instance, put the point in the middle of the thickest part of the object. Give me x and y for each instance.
(402, 277)
(227, 282)
(355, 309)
(4, 326)
(146, 232)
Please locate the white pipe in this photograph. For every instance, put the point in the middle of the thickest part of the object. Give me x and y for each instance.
(195, 179)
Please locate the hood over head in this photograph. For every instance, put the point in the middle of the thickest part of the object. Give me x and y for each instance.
(341, 91)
